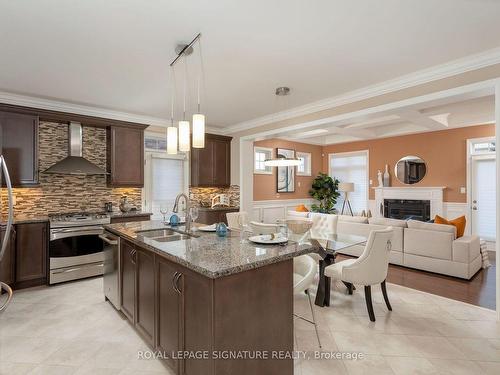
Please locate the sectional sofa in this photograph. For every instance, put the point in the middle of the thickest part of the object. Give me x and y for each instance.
(415, 244)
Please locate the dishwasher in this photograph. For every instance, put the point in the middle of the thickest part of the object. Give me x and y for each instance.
(111, 281)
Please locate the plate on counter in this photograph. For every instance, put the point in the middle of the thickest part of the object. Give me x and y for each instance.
(207, 228)
(267, 239)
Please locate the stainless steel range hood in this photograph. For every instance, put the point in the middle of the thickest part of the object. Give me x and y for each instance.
(75, 163)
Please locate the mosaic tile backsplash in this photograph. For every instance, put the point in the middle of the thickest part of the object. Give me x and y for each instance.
(65, 193)
(203, 196)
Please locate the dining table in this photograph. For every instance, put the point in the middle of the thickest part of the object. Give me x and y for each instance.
(329, 245)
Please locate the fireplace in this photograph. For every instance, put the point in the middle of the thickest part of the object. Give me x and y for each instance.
(406, 209)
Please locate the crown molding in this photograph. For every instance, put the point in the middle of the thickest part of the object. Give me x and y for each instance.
(60, 106)
(449, 69)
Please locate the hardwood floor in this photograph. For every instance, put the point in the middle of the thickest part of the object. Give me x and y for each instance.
(479, 291)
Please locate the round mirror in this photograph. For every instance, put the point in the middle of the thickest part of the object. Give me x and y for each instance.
(410, 169)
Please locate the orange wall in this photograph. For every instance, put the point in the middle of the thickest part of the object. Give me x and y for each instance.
(443, 151)
(264, 185)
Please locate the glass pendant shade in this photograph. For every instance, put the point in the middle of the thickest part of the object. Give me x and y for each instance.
(184, 132)
(172, 140)
(198, 130)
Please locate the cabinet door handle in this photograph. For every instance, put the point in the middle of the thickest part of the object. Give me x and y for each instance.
(175, 282)
(132, 256)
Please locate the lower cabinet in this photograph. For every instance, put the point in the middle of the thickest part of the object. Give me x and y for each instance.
(170, 286)
(145, 294)
(127, 280)
(7, 265)
(209, 217)
(25, 260)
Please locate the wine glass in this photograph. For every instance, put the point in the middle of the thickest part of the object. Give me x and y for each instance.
(164, 212)
(243, 227)
(194, 211)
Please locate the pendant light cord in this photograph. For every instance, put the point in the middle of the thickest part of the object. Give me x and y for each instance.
(172, 95)
(201, 75)
(185, 86)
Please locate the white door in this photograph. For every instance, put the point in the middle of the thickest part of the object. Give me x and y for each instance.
(484, 196)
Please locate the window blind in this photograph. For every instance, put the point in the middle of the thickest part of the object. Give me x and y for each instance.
(167, 179)
(352, 167)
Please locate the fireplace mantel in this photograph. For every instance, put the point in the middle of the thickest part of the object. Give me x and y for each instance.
(433, 193)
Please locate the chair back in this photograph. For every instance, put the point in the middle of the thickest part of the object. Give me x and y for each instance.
(324, 222)
(236, 219)
(304, 271)
(371, 267)
(261, 228)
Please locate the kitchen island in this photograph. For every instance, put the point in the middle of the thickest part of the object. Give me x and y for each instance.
(206, 304)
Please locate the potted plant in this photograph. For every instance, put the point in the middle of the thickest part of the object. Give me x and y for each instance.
(325, 190)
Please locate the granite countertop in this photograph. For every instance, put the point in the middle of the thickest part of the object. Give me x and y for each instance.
(25, 219)
(129, 214)
(218, 208)
(210, 255)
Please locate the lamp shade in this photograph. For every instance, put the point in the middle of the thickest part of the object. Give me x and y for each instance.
(172, 140)
(198, 130)
(346, 187)
(184, 136)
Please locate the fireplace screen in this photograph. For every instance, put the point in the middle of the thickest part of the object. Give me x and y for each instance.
(406, 209)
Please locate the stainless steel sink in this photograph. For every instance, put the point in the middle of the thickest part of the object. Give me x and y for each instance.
(154, 233)
(178, 237)
(164, 235)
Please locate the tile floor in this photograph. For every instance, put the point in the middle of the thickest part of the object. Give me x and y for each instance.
(69, 329)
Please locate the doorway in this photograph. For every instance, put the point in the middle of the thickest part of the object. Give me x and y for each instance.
(483, 189)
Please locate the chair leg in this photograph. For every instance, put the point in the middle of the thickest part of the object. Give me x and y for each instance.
(386, 298)
(349, 287)
(314, 318)
(369, 305)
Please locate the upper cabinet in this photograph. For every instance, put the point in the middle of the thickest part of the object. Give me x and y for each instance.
(211, 166)
(125, 157)
(19, 146)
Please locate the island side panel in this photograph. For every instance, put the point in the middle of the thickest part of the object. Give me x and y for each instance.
(254, 311)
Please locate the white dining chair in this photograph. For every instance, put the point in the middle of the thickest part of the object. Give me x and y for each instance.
(235, 220)
(322, 223)
(304, 270)
(367, 270)
(262, 228)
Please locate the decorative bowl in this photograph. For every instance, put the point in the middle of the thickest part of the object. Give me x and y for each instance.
(299, 226)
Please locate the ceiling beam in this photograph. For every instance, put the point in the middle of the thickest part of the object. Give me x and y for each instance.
(416, 117)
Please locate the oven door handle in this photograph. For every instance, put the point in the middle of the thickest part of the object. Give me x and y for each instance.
(56, 234)
(108, 240)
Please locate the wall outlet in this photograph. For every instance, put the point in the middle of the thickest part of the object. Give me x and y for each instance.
(371, 182)
(463, 190)
(298, 183)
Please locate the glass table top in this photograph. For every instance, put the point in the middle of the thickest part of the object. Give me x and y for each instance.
(328, 241)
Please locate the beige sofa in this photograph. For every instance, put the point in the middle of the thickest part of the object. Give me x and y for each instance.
(424, 246)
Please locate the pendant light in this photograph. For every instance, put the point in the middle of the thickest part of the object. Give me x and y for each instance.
(198, 118)
(281, 160)
(172, 130)
(184, 130)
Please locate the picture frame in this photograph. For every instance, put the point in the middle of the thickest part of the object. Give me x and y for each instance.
(285, 176)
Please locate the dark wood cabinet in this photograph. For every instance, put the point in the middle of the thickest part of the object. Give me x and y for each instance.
(125, 159)
(145, 294)
(129, 219)
(7, 265)
(31, 253)
(127, 280)
(209, 217)
(19, 145)
(211, 166)
(170, 286)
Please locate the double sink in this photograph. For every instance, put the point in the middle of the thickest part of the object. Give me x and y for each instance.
(164, 235)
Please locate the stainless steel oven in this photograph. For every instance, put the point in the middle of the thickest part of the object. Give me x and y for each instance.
(75, 249)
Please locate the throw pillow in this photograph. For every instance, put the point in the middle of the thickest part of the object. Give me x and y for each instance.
(301, 208)
(458, 222)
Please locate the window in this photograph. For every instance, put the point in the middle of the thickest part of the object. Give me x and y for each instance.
(260, 155)
(165, 178)
(483, 147)
(304, 169)
(352, 167)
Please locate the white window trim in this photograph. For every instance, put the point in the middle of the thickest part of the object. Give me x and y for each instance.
(146, 190)
(308, 168)
(367, 153)
(262, 149)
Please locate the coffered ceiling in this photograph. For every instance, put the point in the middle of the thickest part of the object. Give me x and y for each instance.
(115, 54)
